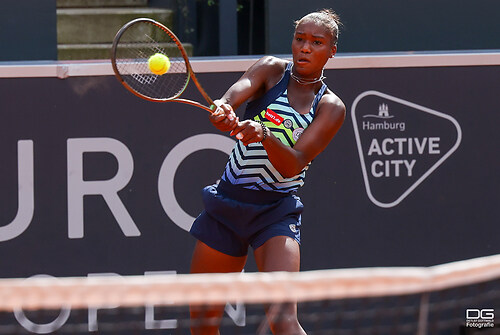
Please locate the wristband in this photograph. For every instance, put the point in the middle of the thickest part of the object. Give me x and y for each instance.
(264, 130)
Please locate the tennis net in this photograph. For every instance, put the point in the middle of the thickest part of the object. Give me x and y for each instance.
(455, 298)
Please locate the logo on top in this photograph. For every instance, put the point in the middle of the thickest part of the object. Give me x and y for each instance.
(273, 117)
(383, 113)
(400, 144)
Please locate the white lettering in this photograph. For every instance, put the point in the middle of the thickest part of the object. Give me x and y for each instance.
(402, 146)
(396, 164)
(400, 142)
(26, 198)
(367, 125)
(173, 161)
(92, 312)
(392, 168)
(386, 151)
(434, 146)
(376, 164)
(480, 314)
(108, 189)
(44, 328)
(237, 313)
(78, 188)
(374, 147)
(409, 166)
(420, 145)
(150, 322)
(410, 146)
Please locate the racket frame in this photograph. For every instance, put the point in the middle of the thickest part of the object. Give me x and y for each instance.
(190, 72)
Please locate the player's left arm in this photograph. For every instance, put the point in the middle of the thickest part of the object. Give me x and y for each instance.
(330, 115)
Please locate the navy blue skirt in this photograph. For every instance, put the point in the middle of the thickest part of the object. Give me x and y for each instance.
(236, 218)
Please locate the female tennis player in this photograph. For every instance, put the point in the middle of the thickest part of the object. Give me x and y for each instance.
(290, 118)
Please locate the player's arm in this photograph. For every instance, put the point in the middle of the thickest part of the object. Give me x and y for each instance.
(289, 161)
(261, 76)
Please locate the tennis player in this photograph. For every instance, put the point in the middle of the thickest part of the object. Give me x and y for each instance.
(291, 117)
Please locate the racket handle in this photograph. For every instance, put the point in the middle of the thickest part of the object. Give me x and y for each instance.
(216, 110)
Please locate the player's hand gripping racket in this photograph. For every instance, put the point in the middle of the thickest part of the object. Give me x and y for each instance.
(134, 45)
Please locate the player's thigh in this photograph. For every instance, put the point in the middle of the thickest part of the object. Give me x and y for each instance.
(208, 260)
(279, 253)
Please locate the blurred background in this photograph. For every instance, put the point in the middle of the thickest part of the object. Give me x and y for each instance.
(84, 29)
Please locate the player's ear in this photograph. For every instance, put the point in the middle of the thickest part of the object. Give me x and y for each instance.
(334, 51)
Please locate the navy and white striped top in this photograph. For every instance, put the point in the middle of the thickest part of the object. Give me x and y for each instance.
(249, 166)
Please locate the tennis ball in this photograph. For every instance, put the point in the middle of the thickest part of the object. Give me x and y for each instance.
(159, 64)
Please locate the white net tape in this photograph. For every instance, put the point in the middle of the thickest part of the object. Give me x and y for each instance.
(185, 289)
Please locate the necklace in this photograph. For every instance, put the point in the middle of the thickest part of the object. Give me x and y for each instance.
(303, 81)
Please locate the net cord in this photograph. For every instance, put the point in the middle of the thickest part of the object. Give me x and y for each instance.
(273, 287)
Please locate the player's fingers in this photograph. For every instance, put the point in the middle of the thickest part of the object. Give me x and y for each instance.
(244, 132)
(228, 125)
(217, 117)
(231, 124)
(253, 133)
(239, 127)
(250, 137)
(217, 111)
(220, 108)
(228, 111)
(222, 111)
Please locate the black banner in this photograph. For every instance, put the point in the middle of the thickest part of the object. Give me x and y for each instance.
(94, 180)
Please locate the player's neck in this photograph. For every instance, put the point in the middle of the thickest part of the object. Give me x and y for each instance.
(306, 81)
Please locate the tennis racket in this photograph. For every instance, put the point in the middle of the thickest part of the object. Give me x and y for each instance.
(138, 40)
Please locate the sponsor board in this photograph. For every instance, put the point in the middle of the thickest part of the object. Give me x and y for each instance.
(400, 144)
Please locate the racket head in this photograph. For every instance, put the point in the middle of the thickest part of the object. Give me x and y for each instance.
(133, 44)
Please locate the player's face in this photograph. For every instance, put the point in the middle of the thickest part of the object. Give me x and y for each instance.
(311, 47)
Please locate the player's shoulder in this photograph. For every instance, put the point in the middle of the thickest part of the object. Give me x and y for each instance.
(272, 61)
(271, 65)
(268, 70)
(330, 103)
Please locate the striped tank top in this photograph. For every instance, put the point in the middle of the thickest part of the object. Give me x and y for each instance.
(249, 166)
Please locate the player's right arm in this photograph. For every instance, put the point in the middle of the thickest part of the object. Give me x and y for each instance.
(255, 82)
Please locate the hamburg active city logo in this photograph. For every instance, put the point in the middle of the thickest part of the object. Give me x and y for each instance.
(400, 144)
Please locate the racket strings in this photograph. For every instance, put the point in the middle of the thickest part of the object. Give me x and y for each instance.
(139, 42)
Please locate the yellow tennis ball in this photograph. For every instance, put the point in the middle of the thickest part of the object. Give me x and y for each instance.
(159, 63)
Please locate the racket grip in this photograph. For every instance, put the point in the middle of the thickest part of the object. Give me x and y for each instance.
(216, 110)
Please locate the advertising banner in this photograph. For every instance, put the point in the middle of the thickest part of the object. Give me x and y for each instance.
(96, 181)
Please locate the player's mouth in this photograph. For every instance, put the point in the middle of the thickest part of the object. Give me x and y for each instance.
(303, 61)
